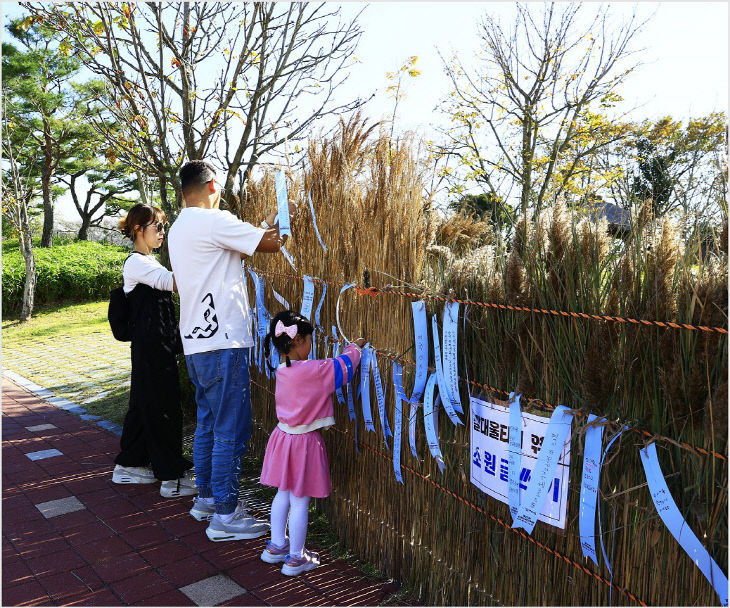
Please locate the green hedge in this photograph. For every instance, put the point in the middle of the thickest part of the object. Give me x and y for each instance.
(72, 271)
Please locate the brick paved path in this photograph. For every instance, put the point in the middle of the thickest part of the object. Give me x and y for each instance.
(72, 537)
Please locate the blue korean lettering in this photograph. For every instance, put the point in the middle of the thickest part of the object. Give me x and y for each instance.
(490, 462)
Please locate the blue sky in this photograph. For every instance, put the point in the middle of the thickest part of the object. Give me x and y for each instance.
(685, 69)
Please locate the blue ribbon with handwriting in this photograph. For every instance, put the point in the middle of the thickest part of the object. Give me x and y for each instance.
(547, 461)
(314, 220)
(420, 333)
(443, 388)
(675, 523)
(430, 420)
(380, 396)
(282, 202)
(514, 463)
(398, 386)
(450, 353)
(365, 387)
(307, 297)
(589, 487)
(400, 401)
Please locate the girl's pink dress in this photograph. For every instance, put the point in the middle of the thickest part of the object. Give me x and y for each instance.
(298, 462)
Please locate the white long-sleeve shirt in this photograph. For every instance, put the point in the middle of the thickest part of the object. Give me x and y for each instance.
(140, 268)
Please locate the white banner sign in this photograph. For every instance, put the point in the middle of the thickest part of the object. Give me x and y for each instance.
(490, 457)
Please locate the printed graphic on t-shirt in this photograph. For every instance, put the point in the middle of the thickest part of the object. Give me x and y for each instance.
(209, 317)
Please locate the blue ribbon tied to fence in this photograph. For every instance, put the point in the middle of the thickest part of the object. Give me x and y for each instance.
(420, 334)
(589, 487)
(443, 388)
(430, 421)
(380, 396)
(314, 220)
(307, 297)
(514, 459)
(450, 325)
(547, 461)
(675, 523)
(400, 401)
(365, 387)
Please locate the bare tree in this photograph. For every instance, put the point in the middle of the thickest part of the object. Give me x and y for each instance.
(523, 119)
(227, 81)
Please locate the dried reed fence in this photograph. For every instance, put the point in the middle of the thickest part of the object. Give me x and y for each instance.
(437, 532)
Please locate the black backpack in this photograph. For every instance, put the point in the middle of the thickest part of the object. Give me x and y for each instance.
(120, 313)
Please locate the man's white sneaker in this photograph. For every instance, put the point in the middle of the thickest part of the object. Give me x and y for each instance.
(133, 475)
(174, 488)
(240, 527)
(202, 510)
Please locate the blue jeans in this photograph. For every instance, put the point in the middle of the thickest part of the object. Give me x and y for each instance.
(223, 396)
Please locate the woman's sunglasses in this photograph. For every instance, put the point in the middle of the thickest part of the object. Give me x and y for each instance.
(159, 226)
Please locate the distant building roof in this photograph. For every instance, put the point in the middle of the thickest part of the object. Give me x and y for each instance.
(616, 216)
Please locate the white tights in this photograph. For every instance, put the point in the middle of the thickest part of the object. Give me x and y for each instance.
(287, 506)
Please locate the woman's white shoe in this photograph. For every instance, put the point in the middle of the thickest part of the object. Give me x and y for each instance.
(174, 488)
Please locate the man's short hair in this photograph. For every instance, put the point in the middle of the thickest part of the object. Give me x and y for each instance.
(195, 174)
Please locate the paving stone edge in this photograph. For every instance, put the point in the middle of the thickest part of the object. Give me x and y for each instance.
(61, 402)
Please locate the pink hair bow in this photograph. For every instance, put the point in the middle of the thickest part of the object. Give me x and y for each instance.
(290, 330)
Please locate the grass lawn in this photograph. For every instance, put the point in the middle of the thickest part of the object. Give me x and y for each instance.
(69, 349)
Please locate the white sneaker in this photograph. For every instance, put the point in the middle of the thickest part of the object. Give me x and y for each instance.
(133, 475)
(174, 488)
(240, 527)
(202, 510)
(293, 566)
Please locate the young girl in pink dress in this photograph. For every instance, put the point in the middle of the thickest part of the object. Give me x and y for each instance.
(296, 459)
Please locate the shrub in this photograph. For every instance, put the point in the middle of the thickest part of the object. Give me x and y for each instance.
(72, 271)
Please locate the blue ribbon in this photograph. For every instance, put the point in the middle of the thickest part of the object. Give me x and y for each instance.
(314, 220)
(430, 420)
(288, 257)
(400, 400)
(319, 308)
(281, 299)
(675, 523)
(365, 388)
(380, 396)
(282, 201)
(547, 461)
(450, 353)
(308, 297)
(443, 388)
(589, 488)
(420, 333)
(600, 532)
(398, 386)
(514, 464)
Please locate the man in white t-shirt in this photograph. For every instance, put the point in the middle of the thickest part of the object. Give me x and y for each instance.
(206, 245)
